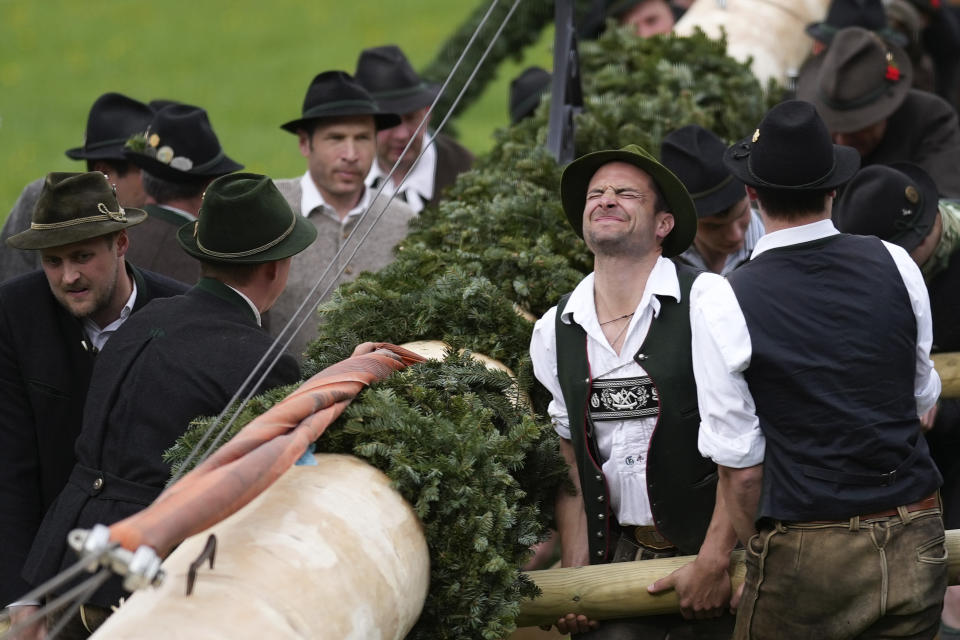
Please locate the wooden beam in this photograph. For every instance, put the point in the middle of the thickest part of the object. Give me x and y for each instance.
(948, 366)
(607, 591)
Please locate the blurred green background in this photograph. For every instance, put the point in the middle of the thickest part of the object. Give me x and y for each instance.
(248, 63)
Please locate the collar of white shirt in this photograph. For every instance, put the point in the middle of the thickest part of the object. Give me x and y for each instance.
(310, 199)
(661, 281)
(253, 307)
(418, 182)
(99, 336)
(795, 235)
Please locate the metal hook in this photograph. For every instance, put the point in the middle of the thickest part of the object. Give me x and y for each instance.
(208, 553)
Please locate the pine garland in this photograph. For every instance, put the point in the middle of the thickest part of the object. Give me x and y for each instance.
(480, 471)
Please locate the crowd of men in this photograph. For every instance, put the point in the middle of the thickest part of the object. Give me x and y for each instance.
(748, 363)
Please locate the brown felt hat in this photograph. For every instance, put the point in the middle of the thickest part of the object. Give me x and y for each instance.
(73, 207)
(862, 80)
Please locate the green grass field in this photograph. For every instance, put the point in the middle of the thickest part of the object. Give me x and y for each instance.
(248, 63)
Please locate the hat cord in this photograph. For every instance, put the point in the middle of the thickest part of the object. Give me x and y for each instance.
(117, 216)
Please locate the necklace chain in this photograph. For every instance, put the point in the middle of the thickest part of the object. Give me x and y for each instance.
(626, 315)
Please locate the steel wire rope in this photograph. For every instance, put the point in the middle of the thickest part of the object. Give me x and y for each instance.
(364, 216)
(78, 593)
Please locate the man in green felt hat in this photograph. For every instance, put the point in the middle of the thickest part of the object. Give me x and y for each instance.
(183, 357)
(52, 323)
(615, 355)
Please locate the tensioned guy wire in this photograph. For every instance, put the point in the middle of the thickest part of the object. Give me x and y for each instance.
(299, 318)
(80, 592)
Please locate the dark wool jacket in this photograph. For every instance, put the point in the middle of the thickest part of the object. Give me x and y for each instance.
(182, 358)
(44, 375)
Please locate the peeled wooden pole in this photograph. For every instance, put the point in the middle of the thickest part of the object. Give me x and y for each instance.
(328, 551)
(769, 31)
(608, 591)
(948, 367)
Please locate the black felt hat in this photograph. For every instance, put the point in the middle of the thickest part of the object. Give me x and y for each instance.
(868, 14)
(73, 207)
(244, 219)
(112, 120)
(577, 175)
(861, 80)
(334, 94)
(897, 203)
(180, 146)
(791, 149)
(526, 91)
(387, 74)
(695, 155)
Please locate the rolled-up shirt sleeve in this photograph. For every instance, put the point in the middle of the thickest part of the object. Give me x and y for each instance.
(926, 381)
(543, 354)
(730, 432)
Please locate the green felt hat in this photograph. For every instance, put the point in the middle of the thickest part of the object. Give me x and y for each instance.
(576, 178)
(245, 220)
(74, 207)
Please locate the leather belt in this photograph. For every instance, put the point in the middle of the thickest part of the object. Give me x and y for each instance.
(647, 536)
(930, 502)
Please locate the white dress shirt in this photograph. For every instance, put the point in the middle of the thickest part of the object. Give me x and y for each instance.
(729, 429)
(623, 445)
(750, 238)
(98, 336)
(417, 188)
(310, 200)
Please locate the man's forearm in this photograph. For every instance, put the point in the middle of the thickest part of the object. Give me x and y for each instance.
(571, 516)
(739, 489)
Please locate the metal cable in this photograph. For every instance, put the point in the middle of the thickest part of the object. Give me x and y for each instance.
(311, 295)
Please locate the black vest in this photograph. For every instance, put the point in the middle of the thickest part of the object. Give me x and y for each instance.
(681, 484)
(832, 373)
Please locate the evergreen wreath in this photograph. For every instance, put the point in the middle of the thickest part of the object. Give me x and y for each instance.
(458, 442)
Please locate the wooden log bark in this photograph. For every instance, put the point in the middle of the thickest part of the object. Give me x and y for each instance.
(609, 591)
(948, 366)
(328, 551)
(769, 31)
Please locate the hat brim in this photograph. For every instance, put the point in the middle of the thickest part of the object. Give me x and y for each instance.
(911, 238)
(857, 118)
(846, 161)
(720, 200)
(417, 99)
(577, 175)
(47, 238)
(381, 120)
(109, 152)
(166, 172)
(301, 237)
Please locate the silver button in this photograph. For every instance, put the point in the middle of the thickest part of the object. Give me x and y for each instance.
(600, 516)
(599, 478)
(641, 356)
(599, 554)
(599, 534)
(98, 484)
(599, 498)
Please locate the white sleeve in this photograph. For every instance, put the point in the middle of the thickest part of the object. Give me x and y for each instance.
(926, 382)
(543, 354)
(730, 432)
